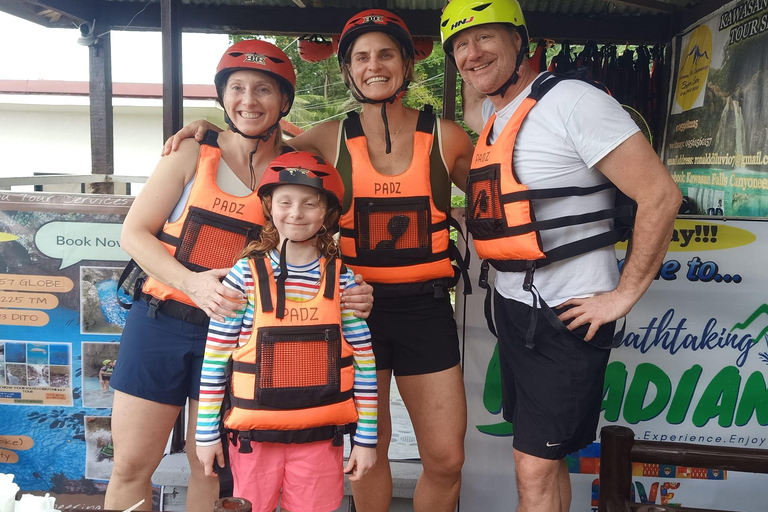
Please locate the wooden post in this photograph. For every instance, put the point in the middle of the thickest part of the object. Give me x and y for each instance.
(172, 69)
(449, 90)
(102, 139)
(615, 464)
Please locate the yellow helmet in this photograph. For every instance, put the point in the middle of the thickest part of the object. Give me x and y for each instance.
(463, 14)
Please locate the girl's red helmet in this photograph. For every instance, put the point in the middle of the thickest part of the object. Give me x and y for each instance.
(256, 55)
(375, 20)
(303, 168)
(422, 47)
(314, 48)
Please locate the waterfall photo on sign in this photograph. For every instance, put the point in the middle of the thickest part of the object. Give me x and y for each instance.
(716, 144)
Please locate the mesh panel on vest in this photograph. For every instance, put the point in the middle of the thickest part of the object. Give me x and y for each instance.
(298, 364)
(393, 225)
(209, 240)
(484, 211)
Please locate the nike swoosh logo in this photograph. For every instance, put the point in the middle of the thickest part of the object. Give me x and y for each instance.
(550, 445)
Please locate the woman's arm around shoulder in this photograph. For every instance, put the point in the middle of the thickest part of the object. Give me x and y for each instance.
(457, 151)
(195, 129)
(321, 140)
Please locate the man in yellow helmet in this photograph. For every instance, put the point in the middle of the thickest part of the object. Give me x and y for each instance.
(555, 146)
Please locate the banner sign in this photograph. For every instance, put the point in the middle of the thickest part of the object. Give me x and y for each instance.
(60, 324)
(716, 143)
(691, 369)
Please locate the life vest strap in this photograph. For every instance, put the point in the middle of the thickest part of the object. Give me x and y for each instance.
(389, 261)
(564, 251)
(243, 438)
(174, 309)
(553, 193)
(252, 404)
(263, 277)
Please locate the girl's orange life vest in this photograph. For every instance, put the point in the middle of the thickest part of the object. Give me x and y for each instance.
(214, 227)
(392, 230)
(292, 381)
(500, 214)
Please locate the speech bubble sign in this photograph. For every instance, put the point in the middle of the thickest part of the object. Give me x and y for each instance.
(72, 242)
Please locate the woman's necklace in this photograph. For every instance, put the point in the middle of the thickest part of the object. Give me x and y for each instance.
(394, 137)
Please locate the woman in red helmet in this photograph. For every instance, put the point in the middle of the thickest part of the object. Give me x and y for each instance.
(312, 358)
(196, 213)
(394, 232)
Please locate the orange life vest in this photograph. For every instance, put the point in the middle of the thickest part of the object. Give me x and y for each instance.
(292, 381)
(394, 229)
(213, 228)
(500, 214)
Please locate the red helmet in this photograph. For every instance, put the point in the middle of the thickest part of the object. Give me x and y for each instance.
(257, 55)
(314, 48)
(303, 168)
(375, 20)
(422, 48)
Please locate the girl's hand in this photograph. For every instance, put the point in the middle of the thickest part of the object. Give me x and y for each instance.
(205, 290)
(358, 298)
(361, 460)
(207, 454)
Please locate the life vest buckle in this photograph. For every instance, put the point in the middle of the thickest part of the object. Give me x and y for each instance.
(245, 442)
(530, 268)
(438, 289)
(154, 304)
(482, 282)
(338, 436)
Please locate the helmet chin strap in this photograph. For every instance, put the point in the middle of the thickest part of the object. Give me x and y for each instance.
(359, 96)
(512, 80)
(284, 273)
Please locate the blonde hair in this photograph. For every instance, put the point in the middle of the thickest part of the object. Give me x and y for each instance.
(269, 239)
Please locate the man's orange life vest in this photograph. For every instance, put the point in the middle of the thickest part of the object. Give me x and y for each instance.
(500, 214)
(394, 229)
(213, 228)
(292, 381)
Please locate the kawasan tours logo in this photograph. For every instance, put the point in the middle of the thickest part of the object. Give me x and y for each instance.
(694, 67)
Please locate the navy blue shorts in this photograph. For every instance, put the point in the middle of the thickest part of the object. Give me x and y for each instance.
(552, 393)
(160, 359)
(414, 335)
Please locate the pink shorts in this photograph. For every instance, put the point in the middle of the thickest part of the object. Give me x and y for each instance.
(311, 476)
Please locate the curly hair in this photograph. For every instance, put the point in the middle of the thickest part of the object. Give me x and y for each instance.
(269, 239)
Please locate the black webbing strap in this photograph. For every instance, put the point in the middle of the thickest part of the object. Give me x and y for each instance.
(280, 313)
(462, 262)
(331, 283)
(211, 138)
(131, 271)
(553, 193)
(352, 126)
(263, 277)
(483, 283)
(426, 121)
(169, 239)
(252, 404)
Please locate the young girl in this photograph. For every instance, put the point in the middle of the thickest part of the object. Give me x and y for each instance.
(300, 370)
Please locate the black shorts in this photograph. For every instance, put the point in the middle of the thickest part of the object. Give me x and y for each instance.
(552, 394)
(414, 335)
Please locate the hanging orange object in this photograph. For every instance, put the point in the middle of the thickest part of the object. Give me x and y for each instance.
(314, 48)
(423, 47)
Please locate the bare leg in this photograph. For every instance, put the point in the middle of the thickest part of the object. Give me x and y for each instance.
(438, 410)
(373, 493)
(140, 430)
(541, 485)
(202, 490)
(565, 487)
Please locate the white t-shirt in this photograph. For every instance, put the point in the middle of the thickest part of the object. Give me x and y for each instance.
(570, 130)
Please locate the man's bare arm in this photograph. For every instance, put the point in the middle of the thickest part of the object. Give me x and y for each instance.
(472, 105)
